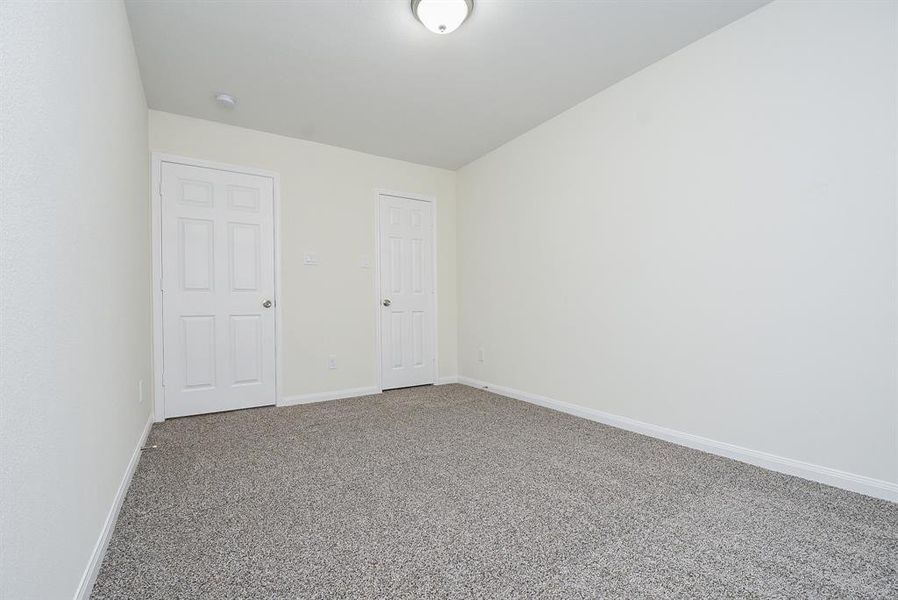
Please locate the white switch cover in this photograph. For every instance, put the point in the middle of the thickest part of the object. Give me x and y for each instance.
(481, 355)
(310, 258)
(332, 361)
(365, 262)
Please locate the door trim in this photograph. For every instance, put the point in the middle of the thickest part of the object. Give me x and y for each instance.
(377, 287)
(157, 159)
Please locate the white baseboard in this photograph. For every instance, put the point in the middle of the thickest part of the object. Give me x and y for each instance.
(877, 488)
(323, 396)
(349, 393)
(96, 558)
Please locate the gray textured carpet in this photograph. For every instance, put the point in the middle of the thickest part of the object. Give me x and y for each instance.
(452, 492)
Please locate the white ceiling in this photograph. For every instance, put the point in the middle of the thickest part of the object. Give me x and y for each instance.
(364, 74)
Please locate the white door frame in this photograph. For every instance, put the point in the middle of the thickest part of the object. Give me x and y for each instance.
(158, 158)
(377, 287)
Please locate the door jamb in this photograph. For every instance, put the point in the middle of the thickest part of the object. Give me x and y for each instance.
(157, 158)
(377, 287)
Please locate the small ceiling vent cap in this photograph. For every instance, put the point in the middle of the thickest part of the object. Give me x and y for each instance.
(226, 100)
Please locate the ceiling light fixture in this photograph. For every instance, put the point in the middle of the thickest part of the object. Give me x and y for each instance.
(442, 16)
(226, 100)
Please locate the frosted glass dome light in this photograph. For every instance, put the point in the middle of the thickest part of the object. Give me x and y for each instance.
(442, 16)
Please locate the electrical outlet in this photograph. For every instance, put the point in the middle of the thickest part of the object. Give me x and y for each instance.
(332, 361)
(481, 355)
(310, 259)
(140, 392)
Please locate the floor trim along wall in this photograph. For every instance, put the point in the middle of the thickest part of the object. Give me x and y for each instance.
(856, 483)
(96, 559)
(323, 396)
(341, 394)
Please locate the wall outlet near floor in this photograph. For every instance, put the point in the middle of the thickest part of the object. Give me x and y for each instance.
(481, 355)
(140, 391)
(332, 361)
(310, 258)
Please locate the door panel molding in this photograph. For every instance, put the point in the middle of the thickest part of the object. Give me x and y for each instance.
(236, 199)
(378, 285)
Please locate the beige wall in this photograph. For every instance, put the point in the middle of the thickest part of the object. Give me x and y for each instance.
(709, 245)
(328, 207)
(74, 285)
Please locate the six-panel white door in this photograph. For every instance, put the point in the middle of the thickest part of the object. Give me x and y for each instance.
(407, 292)
(218, 290)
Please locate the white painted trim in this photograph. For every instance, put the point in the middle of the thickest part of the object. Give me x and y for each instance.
(156, 241)
(278, 314)
(324, 396)
(86, 585)
(877, 488)
(157, 159)
(377, 289)
(448, 379)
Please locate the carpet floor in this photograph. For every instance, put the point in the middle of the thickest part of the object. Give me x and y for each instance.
(453, 492)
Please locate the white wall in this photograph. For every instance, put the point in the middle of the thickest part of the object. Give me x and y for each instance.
(709, 245)
(328, 207)
(74, 284)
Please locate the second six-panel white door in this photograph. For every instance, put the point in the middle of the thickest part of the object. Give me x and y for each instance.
(407, 308)
(218, 290)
